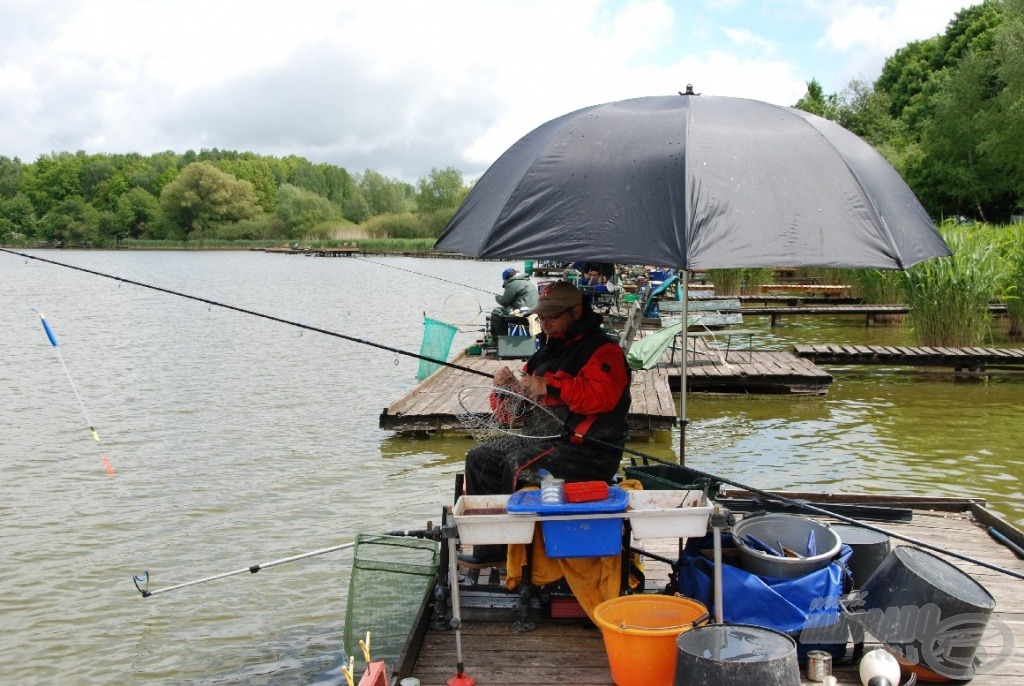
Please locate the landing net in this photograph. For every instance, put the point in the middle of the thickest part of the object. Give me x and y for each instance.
(391, 577)
(505, 418)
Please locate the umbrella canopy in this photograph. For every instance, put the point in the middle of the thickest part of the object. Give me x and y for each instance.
(694, 182)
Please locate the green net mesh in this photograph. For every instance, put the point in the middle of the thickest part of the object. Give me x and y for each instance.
(437, 341)
(391, 575)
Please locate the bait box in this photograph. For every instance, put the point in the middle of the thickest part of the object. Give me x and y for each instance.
(493, 524)
(668, 514)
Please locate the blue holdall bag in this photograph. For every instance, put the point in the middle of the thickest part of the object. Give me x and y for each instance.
(806, 607)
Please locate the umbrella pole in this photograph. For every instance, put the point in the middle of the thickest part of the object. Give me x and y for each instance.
(684, 277)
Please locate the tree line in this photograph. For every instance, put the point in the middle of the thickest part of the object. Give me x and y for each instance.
(79, 199)
(948, 113)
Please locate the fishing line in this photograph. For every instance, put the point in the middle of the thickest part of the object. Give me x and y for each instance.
(272, 318)
(522, 429)
(88, 422)
(430, 276)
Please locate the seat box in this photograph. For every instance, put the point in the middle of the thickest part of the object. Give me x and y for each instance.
(515, 347)
(591, 529)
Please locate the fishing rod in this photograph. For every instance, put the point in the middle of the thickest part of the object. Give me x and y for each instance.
(141, 581)
(431, 276)
(272, 318)
(515, 429)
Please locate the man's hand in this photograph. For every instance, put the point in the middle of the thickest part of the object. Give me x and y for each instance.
(504, 377)
(534, 387)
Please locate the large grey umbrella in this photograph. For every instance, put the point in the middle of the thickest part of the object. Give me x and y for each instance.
(694, 182)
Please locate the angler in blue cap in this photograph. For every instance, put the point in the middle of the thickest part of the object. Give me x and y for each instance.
(519, 294)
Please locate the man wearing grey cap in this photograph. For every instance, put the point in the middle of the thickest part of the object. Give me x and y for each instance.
(580, 374)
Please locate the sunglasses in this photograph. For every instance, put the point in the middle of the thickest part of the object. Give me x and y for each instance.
(552, 317)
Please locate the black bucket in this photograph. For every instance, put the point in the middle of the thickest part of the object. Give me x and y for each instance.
(928, 613)
(869, 549)
(736, 655)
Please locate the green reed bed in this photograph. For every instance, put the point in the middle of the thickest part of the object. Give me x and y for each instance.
(727, 281)
(949, 297)
(755, 278)
(883, 287)
(1012, 246)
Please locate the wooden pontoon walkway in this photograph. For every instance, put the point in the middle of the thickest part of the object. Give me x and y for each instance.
(966, 359)
(571, 651)
(433, 406)
(870, 312)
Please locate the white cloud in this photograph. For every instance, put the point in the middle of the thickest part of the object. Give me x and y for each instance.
(401, 86)
(746, 38)
(868, 33)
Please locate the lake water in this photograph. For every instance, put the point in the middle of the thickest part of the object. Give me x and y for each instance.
(238, 440)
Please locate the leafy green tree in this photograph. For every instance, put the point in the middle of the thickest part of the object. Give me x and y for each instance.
(383, 195)
(816, 102)
(1005, 143)
(203, 195)
(154, 172)
(256, 171)
(72, 223)
(10, 177)
(354, 207)
(95, 174)
(958, 176)
(17, 216)
(906, 77)
(440, 190)
(301, 210)
(53, 178)
(136, 211)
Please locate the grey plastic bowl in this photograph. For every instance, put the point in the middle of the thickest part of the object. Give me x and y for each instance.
(792, 532)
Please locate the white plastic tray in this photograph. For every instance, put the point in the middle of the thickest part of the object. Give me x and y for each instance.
(667, 514)
(652, 514)
(490, 528)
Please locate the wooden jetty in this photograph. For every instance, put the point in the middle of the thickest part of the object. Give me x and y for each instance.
(433, 406)
(565, 650)
(337, 251)
(870, 312)
(710, 369)
(960, 359)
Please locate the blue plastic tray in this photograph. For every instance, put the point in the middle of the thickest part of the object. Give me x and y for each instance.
(529, 502)
(576, 537)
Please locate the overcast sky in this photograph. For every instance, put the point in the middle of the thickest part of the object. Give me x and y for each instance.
(401, 86)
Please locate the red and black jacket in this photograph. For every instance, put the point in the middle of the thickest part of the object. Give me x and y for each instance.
(588, 381)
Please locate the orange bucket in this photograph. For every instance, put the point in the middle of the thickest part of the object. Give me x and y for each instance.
(640, 634)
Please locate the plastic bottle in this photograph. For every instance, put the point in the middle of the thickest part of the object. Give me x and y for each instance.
(551, 491)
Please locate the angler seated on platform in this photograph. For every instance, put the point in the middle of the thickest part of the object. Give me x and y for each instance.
(518, 294)
(580, 374)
